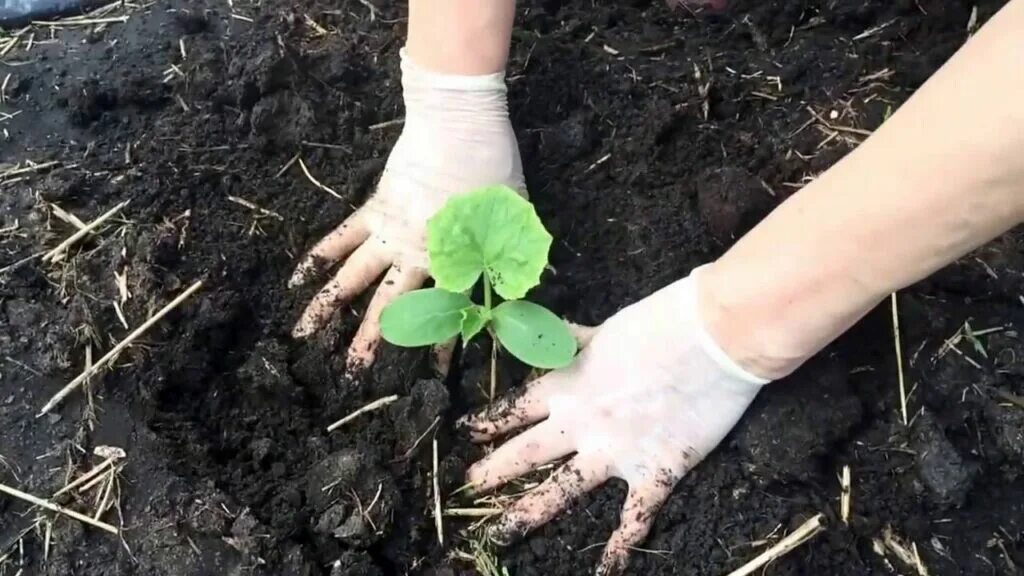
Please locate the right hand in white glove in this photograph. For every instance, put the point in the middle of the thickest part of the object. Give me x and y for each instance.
(457, 137)
(648, 398)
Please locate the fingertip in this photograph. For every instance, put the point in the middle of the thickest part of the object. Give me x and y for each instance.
(362, 352)
(613, 563)
(505, 532)
(480, 430)
(474, 480)
(481, 437)
(302, 330)
(299, 277)
(356, 364)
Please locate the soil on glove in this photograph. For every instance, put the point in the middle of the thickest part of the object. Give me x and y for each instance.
(652, 138)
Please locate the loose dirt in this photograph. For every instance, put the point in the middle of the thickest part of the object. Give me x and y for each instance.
(652, 138)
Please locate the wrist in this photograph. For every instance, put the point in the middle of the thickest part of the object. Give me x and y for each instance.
(417, 77)
(757, 343)
(461, 37)
(436, 98)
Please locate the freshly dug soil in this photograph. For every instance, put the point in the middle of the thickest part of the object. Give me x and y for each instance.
(652, 138)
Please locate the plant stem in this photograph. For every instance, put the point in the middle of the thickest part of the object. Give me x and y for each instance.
(494, 339)
(487, 292)
(494, 366)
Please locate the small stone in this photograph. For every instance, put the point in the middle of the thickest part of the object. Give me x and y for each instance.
(354, 531)
(260, 449)
(356, 479)
(940, 467)
(353, 563)
(332, 518)
(414, 414)
(1007, 425)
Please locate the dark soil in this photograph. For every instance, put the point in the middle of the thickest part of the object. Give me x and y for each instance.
(652, 138)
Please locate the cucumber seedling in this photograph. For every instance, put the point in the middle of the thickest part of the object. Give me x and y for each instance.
(491, 234)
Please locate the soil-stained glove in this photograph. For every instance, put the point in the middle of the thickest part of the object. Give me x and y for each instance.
(647, 399)
(457, 137)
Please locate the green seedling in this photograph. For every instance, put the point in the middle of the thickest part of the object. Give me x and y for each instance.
(493, 234)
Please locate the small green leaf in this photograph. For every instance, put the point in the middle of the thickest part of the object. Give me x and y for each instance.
(423, 317)
(534, 334)
(491, 229)
(474, 319)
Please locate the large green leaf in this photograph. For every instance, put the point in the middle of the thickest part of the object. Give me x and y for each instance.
(423, 317)
(490, 229)
(533, 334)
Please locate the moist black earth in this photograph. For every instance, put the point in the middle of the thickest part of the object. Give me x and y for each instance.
(652, 138)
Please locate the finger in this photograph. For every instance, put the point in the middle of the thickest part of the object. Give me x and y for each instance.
(638, 513)
(332, 248)
(539, 445)
(361, 269)
(399, 280)
(583, 334)
(516, 410)
(579, 475)
(441, 357)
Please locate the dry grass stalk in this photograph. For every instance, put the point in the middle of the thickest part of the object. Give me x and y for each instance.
(906, 554)
(473, 512)
(419, 439)
(899, 358)
(32, 167)
(287, 165)
(316, 182)
(388, 124)
(71, 22)
(380, 402)
(845, 484)
(805, 532)
(91, 474)
(105, 500)
(120, 347)
(83, 232)
(438, 519)
(58, 509)
(255, 207)
(18, 264)
(94, 482)
(67, 216)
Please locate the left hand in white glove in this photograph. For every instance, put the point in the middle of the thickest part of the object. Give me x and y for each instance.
(648, 398)
(457, 137)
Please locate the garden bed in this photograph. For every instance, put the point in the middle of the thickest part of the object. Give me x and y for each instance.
(651, 139)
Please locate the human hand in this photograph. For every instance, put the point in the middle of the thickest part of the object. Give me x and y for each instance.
(457, 137)
(646, 400)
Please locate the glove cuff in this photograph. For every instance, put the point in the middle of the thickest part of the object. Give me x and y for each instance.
(707, 343)
(415, 76)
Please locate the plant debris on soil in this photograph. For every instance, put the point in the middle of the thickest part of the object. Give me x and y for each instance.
(652, 137)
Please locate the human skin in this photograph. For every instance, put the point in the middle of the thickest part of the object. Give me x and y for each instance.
(944, 175)
(464, 37)
(456, 137)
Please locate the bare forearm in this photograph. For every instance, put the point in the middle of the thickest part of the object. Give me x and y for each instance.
(944, 175)
(466, 37)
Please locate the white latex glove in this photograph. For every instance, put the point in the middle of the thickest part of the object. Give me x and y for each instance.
(457, 137)
(645, 401)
